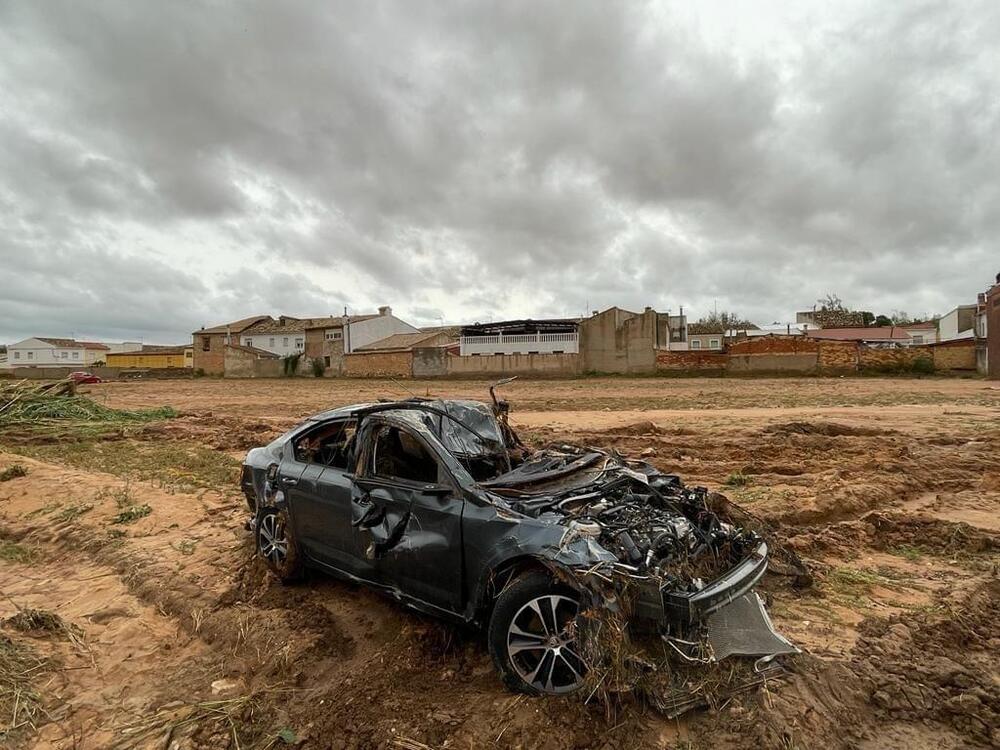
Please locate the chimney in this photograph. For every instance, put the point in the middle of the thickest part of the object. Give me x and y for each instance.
(648, 309)
(385, 310)
(595, 312)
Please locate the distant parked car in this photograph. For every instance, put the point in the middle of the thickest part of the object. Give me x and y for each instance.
(84, 378)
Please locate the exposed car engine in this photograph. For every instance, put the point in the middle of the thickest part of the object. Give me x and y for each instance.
(653, 523)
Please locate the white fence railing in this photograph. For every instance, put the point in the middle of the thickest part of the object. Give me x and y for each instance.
(520, 343)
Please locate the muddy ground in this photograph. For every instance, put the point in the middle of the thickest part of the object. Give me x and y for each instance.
(171, 636)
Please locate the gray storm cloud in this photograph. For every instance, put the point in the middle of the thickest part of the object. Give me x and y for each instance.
(168, 165)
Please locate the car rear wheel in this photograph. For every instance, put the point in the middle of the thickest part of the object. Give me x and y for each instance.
(276, 544)
(532, 636)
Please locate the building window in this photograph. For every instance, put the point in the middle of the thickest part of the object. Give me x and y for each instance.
(31, 355)
(696, 343)
(284, 342)
(17, 355)
(64, 355)
(206, 343)
(918, 339)
(76, 355)
(270, 342)
(334, 335)
(300, 343)
(248, 342)
(713, 343)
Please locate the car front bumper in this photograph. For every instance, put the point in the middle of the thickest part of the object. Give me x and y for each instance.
(687, 608)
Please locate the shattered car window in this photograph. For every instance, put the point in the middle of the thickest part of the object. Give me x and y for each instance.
(399, 455)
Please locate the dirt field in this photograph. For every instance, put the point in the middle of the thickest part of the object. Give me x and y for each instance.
(174, 637)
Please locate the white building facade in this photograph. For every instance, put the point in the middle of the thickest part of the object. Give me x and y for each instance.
(46, 352)
(958, 324)
(357, 333)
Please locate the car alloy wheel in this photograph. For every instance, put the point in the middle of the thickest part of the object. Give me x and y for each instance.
(541, 644)
(272, 540)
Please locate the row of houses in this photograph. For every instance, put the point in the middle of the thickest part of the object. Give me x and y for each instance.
(53, 353)
(615, 340)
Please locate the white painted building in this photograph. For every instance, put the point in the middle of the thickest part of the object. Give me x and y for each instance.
(287, 336)
(362, 330)
(520, 337)
(957, 324)
(46, 352)
(284, 337)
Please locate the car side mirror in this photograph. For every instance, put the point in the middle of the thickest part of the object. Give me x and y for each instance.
(272, 472)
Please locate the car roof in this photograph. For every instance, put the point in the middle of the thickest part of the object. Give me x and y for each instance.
(411, 404)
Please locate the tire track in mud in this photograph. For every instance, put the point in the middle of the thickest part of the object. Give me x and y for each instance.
(329, 659)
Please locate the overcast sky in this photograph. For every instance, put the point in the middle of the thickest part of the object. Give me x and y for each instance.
(168, 165)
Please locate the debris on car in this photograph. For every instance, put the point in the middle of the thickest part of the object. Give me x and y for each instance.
(567, 555)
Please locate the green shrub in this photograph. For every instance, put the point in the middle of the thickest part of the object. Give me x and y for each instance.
(737, 479)
(318, 367)
(923, 366)
(132, 513)
(13, 472)
(291, 363)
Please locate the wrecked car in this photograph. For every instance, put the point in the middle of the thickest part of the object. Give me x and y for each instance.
(439, 504)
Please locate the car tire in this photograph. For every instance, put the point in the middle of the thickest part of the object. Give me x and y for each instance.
(275, 544)
(530, 637)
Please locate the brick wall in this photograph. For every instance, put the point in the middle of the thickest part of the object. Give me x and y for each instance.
(958, 355)
(691, 361)
(993, 331)
(378, 364)
(837, 356)
(213, 361)
(892, 360)
(775, 345)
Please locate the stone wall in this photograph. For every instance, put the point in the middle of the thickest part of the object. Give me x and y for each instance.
(239, 363)
(430, 362)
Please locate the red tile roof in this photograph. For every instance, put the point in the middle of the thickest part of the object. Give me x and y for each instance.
(236, 326)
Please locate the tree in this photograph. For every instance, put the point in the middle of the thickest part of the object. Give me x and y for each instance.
(831, 303)
(883, 320)
(723, 321)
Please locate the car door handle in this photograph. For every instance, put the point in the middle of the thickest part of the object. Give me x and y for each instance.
(289, 482)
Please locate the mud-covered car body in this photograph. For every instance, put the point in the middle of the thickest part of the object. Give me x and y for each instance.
(444, 538)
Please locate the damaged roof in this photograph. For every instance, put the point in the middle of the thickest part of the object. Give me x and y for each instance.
(237, 326)
(553, 325)
(337, 321)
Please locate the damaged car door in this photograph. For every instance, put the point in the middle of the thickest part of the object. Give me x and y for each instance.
(318, 483)
(407, 514)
